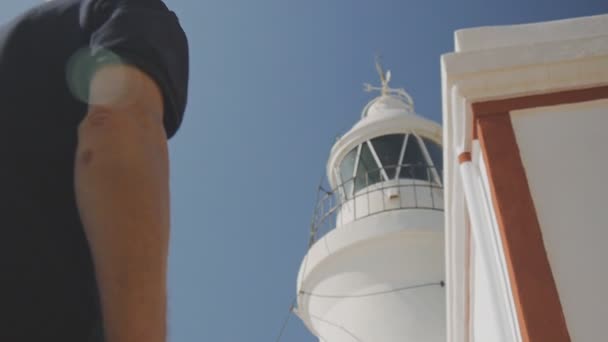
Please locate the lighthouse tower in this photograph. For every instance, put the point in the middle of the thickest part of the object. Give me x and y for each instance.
(374, 270)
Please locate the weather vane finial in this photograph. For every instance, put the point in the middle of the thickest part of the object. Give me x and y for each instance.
(385, 89)
(385, 78)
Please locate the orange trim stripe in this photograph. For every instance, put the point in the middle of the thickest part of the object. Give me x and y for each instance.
(536, 298)
(541, 100)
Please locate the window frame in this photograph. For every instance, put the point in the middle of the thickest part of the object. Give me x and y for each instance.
(377, 159)
(435, 177)
(431, 163)
(406, 138)
(377, 169)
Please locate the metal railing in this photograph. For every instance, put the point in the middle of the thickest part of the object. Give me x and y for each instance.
(410, 187)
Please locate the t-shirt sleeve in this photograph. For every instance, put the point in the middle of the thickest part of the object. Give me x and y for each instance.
(146, 34)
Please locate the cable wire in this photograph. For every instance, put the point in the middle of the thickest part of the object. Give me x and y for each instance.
(350, 333)
(286, 320)
(441, 283)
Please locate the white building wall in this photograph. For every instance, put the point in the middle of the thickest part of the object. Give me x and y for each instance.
(492, 63)
(484, 307)
(564, 150)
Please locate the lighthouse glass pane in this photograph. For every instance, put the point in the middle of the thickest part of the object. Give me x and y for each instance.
(388, 149)
(414, 165)
(368, 172)
(347, 170)
(436, 155)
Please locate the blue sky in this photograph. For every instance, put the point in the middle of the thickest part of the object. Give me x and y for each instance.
(272, 84)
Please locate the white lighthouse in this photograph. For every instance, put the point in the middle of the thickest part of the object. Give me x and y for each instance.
(374, 270)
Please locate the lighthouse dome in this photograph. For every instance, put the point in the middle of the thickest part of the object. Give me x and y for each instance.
(388, 105)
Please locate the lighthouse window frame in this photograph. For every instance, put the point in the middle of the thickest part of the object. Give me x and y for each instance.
(436, 170)
(347, 184)
(373, 170)
(380, 168)
(380, 147)
(355, 169)
(420, 161)
(405, 139)
(352, 185)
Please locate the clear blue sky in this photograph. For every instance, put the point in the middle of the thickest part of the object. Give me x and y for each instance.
(272, 83)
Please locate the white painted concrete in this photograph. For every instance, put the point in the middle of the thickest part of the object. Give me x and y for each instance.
(369, 228)
(563, 149)
(387, 262)
(486, 323)
(492, 37)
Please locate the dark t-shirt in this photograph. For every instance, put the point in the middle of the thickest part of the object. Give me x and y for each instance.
(48, 290)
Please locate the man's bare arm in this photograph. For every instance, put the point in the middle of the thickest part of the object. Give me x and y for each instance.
(122, 191)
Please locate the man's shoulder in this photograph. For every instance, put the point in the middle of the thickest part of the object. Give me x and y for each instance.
(49, 38)
(51, 18)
